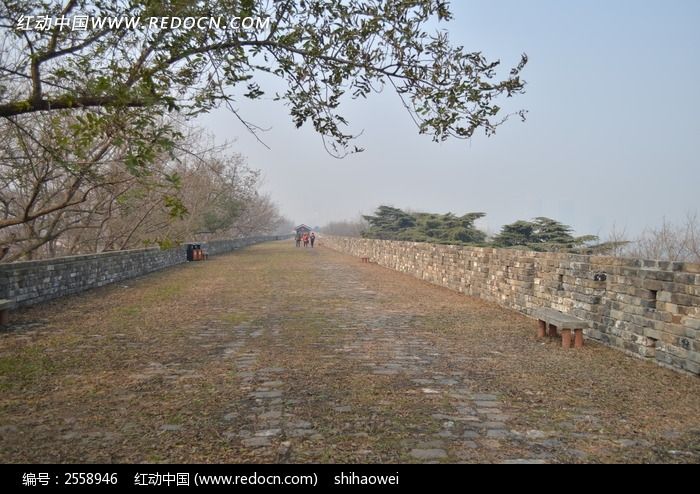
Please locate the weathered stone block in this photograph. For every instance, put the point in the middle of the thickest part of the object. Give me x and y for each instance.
(691, 322)
(683, 299)
(692, 367)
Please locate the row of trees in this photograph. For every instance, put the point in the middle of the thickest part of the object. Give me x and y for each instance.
(94, 197)
(389, 223)
(669, 241)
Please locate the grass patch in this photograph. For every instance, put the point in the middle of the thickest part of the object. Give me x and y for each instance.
(235, 318)
(128, 311)
(24, 368)
(160, 293)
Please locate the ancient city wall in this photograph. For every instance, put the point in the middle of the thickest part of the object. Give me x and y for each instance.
(650, 309)
(32, 282)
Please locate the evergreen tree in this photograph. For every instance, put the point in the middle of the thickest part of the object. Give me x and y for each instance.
(541, 234)
(518, 233)
(390, 223)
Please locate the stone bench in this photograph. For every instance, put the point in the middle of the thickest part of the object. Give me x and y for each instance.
(551, 319)
(5, 307)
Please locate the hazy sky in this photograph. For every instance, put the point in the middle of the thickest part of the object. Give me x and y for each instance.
(612, 136)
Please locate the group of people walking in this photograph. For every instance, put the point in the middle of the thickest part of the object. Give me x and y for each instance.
(305, 237)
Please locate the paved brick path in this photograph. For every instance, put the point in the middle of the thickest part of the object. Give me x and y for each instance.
(278, 354)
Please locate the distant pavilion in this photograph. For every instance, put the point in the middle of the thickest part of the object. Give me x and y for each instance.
(302, 229)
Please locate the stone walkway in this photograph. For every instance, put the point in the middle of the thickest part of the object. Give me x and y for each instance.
(278, 354)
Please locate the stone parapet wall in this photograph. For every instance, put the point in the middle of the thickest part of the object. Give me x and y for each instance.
(650, 309)
(32, 282)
